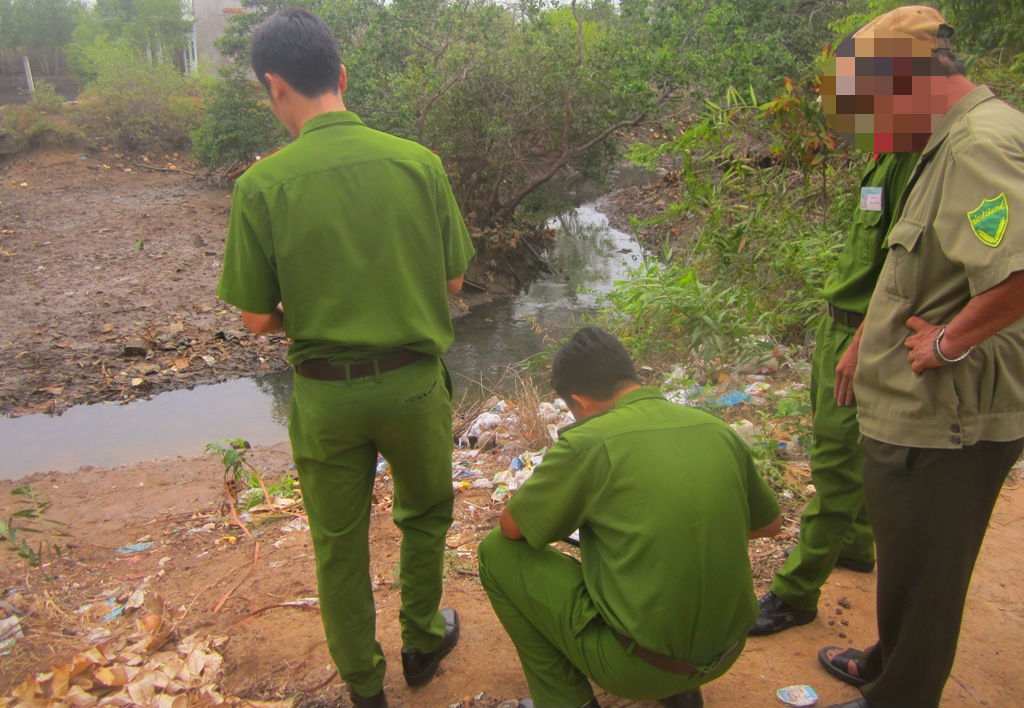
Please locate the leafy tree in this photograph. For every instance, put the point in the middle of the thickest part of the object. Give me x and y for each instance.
(38, 29)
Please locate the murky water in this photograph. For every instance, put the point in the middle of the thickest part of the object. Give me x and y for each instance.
(587, 258)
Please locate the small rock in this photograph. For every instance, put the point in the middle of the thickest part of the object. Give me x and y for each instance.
(844, 602)
(136, 346)
(842, 635)
(838, 611)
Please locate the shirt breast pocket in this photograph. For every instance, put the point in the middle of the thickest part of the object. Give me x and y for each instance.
(900, 275)
(867, 244)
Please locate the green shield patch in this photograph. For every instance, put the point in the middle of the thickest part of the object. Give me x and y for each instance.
(990, 219)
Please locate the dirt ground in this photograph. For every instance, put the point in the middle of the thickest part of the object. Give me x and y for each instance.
(97, 251)
(178, 505)
(109, 266)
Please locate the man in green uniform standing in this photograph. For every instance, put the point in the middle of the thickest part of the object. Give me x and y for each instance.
(834, 528)
(665, 498)
(350, 240)
(940, 373)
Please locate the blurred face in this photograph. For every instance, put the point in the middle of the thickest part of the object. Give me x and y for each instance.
(884, 94)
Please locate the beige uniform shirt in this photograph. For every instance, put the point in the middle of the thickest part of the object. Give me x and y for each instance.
(960, 232)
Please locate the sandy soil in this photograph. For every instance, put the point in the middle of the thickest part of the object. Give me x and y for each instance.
(179, 505)
(96, 251)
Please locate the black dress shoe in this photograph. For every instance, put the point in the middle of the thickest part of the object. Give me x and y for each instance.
(855, 565)
(686, 699)
(777, 615)
(378, 701)
(420, 667)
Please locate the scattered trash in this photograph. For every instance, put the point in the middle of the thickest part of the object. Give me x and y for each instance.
(800, 696)
(746, 430)
(548, 413)
(482, 483)
(756, 388)
(113, 614)
(732, 399)
(134, 548)
(296, 524)
(10, 632)
(382, 464)
(500, 493)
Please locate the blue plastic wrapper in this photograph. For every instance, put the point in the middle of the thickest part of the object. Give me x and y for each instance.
(732, 399)
(134, 548)
(800, 696)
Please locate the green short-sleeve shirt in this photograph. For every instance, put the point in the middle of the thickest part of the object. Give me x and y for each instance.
(961, 231)
(850, 286)
(356, 232)
(664, 497)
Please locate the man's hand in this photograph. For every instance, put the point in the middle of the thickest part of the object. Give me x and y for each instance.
(845, 369)
(768, 530)
(922, 345)
(509, 527)
(264, 324)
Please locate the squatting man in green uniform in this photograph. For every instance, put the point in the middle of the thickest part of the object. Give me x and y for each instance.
(939, 380)
(665, 498)
(350, 240)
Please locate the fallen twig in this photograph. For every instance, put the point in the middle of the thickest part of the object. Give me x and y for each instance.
(279, 605)
(157, 168)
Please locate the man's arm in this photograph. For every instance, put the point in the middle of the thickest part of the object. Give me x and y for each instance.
(984, 315)
(264, 324)
(509, 527)
(771, 529)
(455, 285)
(845, 370)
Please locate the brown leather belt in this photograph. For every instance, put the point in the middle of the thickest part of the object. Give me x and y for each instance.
(845, 317)
(324, 370)
(668, 663)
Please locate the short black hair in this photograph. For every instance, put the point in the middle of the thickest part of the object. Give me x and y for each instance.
(592, 363)
(296, 45)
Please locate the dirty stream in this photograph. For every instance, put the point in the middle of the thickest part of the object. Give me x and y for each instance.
(586, 258)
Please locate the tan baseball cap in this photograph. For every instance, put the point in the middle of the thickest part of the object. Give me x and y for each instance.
(918, 22)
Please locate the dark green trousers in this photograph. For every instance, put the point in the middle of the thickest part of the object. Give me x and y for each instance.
(543, 603)
(834, 523)
(336, 429)
(930, 510)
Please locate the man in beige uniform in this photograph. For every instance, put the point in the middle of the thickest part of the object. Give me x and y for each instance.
(940, 376)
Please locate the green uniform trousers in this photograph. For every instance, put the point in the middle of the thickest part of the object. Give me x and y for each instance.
(834, 522)
(540, 598)
(336, 429)
(930, 510)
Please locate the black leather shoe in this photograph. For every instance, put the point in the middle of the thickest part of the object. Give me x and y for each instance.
(378, 701)
(686, 699)
(777, 615)
(419, 667)
(855, 565)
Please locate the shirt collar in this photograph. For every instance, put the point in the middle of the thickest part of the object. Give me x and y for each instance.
(638, 394)
(975, 96)
(323, 120)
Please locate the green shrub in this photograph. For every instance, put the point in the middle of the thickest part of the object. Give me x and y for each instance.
(135, 104)
(47, 99)
(238, 124)
(26, 126)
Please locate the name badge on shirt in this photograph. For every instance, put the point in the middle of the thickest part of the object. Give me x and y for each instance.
(871, 198)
